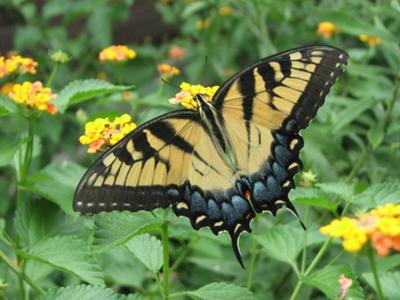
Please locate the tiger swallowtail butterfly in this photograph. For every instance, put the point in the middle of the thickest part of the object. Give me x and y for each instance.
(231, 158)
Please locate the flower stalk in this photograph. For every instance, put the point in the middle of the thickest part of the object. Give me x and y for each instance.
(165, 243)
(372, 264)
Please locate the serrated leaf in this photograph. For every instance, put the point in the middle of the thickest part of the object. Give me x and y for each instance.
(390, 281)
(39, 219)
(7, 106)
(116, 228)
(70, 254)
(283, 243)
(337, 188)
(81, 292)
(378, 194)
(82, 90)
(221, 291)
(148, 250)
(314, 197)
(327, 281)
(57, 182)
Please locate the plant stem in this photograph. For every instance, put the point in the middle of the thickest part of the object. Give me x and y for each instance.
(372, 263)
(183, 254)
(389, 109)
(165, 243)
(20, 273)
(52, 74)
(254, 257)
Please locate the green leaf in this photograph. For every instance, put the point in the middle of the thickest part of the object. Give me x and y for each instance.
(2, 226)
(222, 291)
(81, 292)
(148, 250)
(194, 7)
(327, 281)
(366, 71)
(39, 219)
(283, 243)
(100, 21)
(82, 90)
(378, 194)
(351, 112)
(70, 254)
(337, 188)
(7, 106)
(388, 262)
(57, 182)
(116, 228)
(375, 136)
(314, 197)
(8, 149)
(390, 281)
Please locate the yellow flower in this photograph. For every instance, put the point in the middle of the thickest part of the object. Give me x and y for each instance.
(6, 88)
(380, 226)
(17, 63)
(186, 96)
(225, 11)
(102, 133)
(371, 40)
(326, 29)
(203, 24)
(168, 70)
(34, 95)
(117, 53)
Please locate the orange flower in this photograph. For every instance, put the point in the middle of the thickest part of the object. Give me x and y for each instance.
(225, 11)
(17, 63)
(6, 88)
(371, 40)
(117, 53)
(326, 29)
(381, 243)
(176, 52)
(380, 226)
(168, 70)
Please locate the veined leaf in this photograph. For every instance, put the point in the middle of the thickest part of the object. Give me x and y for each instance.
(337, 188)
(7, 106)
(70, 254)
(82, 90)
(389, 280)
(57, 183)
(283, 243)
(221, 291)
(81, 292)
(327, 281)
(314, 197)
(148, 250)
(116, 228)
(378, 194)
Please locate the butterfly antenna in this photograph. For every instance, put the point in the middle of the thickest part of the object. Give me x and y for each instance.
(204, 69)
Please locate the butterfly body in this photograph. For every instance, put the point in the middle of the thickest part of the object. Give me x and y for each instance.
(231, 158)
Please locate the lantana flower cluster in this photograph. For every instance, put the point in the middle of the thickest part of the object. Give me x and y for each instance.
(186, 96)
(327, 29)
(118, 53)
(17, 64)
(34, 95)
(168, 70)
(103, 133)
(380, 226)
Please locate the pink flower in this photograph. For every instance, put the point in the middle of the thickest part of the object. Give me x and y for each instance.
(345, 283)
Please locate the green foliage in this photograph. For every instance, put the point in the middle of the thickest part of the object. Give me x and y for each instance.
(47, 251)
(148, 250)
